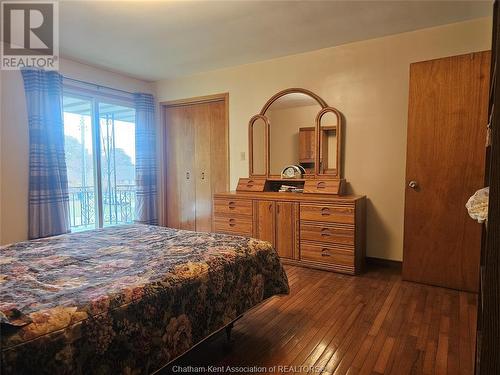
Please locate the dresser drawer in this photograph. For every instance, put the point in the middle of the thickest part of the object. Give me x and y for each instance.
(233, 225)
(327, 213)
(251, 184)
(323, 186)
(233, 206)
(327, 233)
(327, 254)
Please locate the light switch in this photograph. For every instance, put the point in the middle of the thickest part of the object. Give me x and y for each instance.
(242, 156)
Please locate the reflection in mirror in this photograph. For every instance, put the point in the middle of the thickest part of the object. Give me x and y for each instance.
(259, 147)
(292, 121)
(328, 144)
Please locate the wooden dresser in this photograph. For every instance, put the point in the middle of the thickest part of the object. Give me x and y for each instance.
(293, 196)
(315, 230)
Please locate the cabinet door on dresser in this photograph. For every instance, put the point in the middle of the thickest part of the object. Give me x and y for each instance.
(286, 229)
(264, 216)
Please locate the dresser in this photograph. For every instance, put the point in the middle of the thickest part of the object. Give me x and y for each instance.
(294, 194)
(314, 230)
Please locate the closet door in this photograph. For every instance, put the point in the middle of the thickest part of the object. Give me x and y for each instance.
(180, 168)
(203, 180)
(444, 167)
(286, 219)
(210, 163)
(196, 137)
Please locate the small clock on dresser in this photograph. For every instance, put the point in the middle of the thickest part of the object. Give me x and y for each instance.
(293, 171)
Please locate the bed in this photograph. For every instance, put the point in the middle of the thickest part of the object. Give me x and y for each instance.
(126, 299)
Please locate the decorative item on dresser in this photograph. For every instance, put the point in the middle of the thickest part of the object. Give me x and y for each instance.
(308, 220)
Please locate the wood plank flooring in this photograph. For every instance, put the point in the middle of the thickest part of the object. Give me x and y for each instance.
(336, 324)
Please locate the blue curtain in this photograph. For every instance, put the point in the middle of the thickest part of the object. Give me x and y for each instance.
(145, 160)
(48, 182)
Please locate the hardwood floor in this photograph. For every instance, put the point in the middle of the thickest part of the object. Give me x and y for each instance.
(336, 324)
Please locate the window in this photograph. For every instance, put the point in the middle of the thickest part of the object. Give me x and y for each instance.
(100, 158)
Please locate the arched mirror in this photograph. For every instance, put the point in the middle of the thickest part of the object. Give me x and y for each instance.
(258, 146)
(330, 128)
(292, 130)
(295, 127)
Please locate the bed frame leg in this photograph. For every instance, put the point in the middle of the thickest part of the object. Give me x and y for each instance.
(228, 331)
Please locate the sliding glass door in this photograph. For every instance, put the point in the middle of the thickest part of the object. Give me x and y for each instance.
(117, 144)
(100, 158)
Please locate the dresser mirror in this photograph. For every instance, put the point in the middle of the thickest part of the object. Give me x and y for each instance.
(329, 146)
(258, 151)
(295, 127)
(291, 132)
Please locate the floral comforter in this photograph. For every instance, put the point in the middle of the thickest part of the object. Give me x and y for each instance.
(125, 299)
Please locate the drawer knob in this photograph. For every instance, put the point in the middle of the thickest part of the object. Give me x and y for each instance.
(232, 222)
(321, 185)
(325, 252)
(232, 205)
(325, 211)
(250, 183)
(325, 232)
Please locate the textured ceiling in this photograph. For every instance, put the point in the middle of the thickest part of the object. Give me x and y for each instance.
(152, 40)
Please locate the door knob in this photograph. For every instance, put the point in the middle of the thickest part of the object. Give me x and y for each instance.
(413, 184)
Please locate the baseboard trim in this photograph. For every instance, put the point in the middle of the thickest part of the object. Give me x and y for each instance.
(384, 262)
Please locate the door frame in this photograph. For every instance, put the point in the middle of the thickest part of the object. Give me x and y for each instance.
(224, 97)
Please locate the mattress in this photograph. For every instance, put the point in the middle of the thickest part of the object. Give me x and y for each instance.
(125, 299)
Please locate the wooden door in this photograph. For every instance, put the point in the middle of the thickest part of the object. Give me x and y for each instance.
(286, 218)
(197, 161)
(180, 167)
(264, 216)
(210, 159)
(445, 165)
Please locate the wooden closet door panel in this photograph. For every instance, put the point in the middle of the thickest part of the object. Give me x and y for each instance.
(210, 159)
(264, 213)
(285, 229)
(203, 140)
(197, 161)
(445, 156)
(219, 148)
(179, 145)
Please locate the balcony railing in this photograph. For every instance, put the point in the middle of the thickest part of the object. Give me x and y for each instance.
(118, 206)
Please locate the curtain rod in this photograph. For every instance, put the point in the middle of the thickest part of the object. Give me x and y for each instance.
(96, 85)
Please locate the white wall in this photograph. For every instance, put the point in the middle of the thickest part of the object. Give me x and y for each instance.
(14, 149)
(368, 82)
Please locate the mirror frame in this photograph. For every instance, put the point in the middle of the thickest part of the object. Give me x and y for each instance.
(325, 108)
(266, 146)
(338, 168)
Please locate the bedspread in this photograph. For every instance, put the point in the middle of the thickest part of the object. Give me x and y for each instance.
(125, 299)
